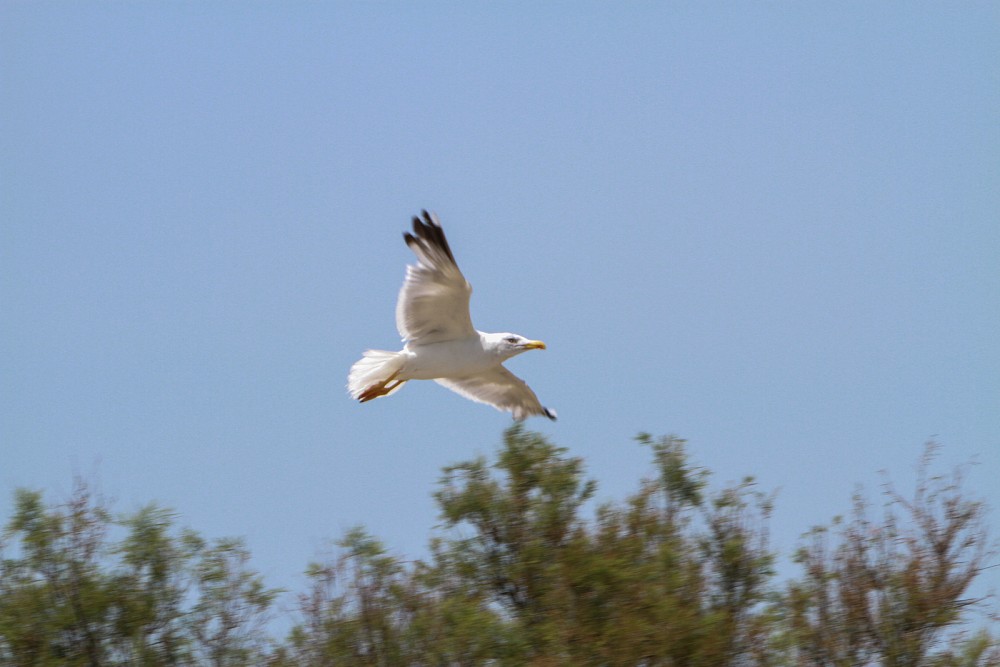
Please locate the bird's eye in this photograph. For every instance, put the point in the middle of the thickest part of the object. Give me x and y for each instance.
(511, 339)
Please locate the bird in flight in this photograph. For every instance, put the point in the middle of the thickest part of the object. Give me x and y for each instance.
(432, 316)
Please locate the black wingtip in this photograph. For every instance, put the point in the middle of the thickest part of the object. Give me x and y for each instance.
(427, 230)
(551, 414)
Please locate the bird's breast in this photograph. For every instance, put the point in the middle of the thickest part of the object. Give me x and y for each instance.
(454, 358)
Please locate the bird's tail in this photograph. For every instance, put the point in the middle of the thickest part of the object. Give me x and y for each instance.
(374, 375)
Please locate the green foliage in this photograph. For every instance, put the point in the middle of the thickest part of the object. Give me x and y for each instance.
(888, 589)
(154, 598)
(524, 571)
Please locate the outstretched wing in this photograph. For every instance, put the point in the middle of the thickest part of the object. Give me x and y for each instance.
(501, 389)
(433, 305)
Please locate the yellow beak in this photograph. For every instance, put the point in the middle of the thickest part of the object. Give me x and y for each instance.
(534, 345)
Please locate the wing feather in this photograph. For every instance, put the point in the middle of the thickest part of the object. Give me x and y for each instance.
(433, 304)
(501, 389)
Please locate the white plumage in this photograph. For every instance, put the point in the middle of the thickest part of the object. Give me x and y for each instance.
(432, 315)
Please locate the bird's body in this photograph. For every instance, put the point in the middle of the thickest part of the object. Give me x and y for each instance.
(432, 315)
(452, 358)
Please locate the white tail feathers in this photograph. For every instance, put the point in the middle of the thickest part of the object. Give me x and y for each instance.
(374, 367)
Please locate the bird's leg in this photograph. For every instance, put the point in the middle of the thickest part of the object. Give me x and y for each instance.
(380, 388)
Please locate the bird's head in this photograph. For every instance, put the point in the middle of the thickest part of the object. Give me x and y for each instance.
(507, 344)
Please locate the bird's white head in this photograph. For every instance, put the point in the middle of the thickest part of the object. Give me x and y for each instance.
(507, 345)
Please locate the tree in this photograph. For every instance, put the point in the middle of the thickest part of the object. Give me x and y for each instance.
(672, 577)
(71, 597)
(888, 589)
(150, 585)
(55, 607)
(357, 609)
(677, 576)
(526, 532)
(228, 620)
(524, 570)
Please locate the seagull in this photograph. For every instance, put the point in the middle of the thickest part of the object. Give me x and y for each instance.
(432, 316)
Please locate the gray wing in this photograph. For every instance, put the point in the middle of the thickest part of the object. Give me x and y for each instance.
(501, 389)
(433, 304)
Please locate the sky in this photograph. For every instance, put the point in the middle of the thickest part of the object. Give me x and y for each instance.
(772, 229)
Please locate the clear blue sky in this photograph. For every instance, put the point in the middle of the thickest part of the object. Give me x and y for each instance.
(770, 228)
